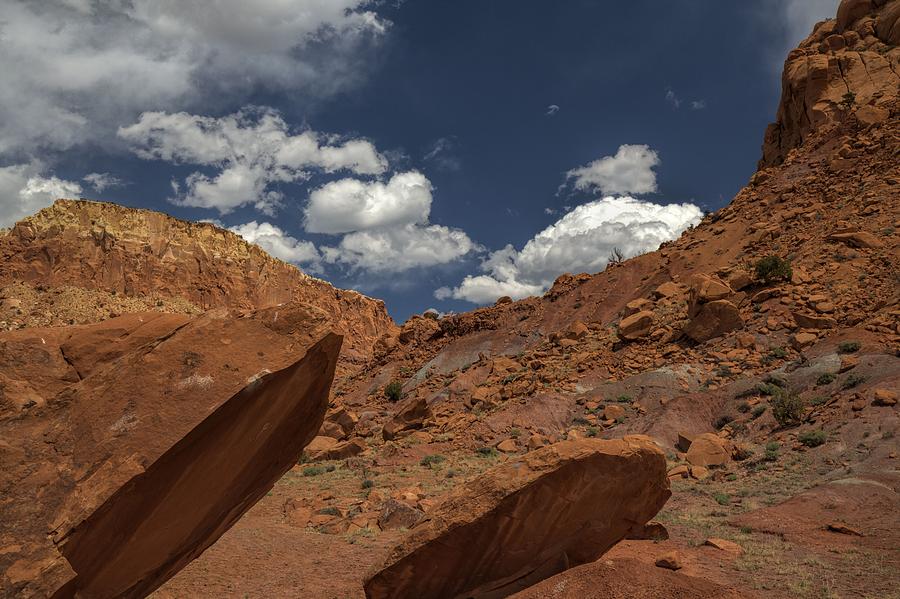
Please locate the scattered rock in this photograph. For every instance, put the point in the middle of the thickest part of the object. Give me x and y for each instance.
(709, 449)
(841, 528)
(670, 561)
(397, 514)
(413, 413)
(725, 545)
(884, 397)
(714, 320)
(636, 326)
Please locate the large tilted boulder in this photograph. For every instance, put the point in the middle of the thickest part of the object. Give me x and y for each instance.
(151, 437)
(413, 413)
(554, 508)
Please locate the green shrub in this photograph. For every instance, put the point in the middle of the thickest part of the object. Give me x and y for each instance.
(432, 459)
(486, 452)
(723, 421)
(722, 498)
(368, 483)
(778, 352)
(743, 407)
(758, 411)
(592, 431)
(849, 347)
(812, 438)
(826, 379)
(394, 391)
(773, 268)
(819, 400)
(313, 471)
(787, 407)
(623, 399)
(772, 451)
(853, 380)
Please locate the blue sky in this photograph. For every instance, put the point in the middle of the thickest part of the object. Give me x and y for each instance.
(431, 153)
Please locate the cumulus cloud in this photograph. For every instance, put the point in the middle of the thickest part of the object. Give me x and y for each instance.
(101, 181)
(580, 241)
(278, 243)
(400, 248)
(253, 149)
(630, 171)
(25, 189)
(74, 70)
(352, 205)
(551, 110)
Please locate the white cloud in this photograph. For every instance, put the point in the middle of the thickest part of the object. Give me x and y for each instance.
(352, 205)
(400, 248)
(24, 190)
(74, 70)
(698, 104)
(442, 154)
(551, 110)
(629, 171)
(673, 99)
(279, 244)
(101, 181)
(253, 149)
(581, 241)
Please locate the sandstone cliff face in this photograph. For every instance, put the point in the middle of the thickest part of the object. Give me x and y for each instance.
(140, 253)
(849, 65)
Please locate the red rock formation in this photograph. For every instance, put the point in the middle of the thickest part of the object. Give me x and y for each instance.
(554, 508)
(129, 451)
(137, 253)
(855, 54)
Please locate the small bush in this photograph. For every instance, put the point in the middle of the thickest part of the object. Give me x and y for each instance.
(787, 407)
(758, 411)
(812, 438)
(771, 451)
(723, 421)
(853, 380)
(722, 498)
(486, 452)
(394, 391)
(819, 400)
(778, 352)
(368, 483)
(772, 268)
(743, 407)
(313, 471)
(592, 431)
(432, 459)
(826, 379)
(849, 347)
(623, 399)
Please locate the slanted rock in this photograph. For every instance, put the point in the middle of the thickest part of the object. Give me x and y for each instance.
(636, 326)
(527, 519)
(412, 415)
(154, 525)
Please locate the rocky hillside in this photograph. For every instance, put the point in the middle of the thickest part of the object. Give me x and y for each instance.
(743, 378)
(760, 350)
(80, 262)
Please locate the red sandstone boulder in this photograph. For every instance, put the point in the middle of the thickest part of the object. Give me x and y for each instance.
(528, 519)
(714, 320)
(636, 326)
(708, 449)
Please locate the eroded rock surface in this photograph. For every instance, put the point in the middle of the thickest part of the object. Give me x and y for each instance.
(119, 426)
(528, 519)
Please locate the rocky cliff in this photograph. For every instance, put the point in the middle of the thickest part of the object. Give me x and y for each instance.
(847, 68)
(141, 260)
